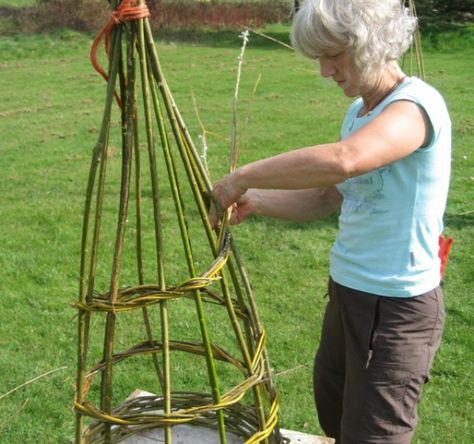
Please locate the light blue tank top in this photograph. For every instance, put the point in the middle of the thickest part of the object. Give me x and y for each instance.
(391, 217)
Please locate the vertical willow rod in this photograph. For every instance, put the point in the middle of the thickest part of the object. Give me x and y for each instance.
(194, 162)
(158, 225)
(174, 113)
(189, 258)
(258, 325)
(417, 43)
(182, 138)
(229, 305)
(127, 149)
(85, 287)
(138, 199)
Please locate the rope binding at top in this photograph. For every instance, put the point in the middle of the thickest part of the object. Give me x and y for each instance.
(127, 11)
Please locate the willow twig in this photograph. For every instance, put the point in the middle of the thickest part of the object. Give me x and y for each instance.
(233, 149)
(31, 381)
(14, 414)
(127, 149)
(233, 146)
(416, 47)
(178, 130)
(269, 38)
(202, 136)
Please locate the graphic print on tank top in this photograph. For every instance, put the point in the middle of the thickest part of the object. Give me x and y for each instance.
(363, 193)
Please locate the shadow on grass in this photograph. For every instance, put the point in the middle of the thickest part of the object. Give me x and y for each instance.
(458, 316)
(461, 220)
(329, 222)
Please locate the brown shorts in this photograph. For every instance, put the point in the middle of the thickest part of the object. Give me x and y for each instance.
(374, 356)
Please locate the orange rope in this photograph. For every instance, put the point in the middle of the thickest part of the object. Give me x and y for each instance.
(127, 11)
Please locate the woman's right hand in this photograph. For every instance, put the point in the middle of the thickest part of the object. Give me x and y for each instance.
(240, 210)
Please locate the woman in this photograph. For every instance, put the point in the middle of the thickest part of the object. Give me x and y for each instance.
(389, 175)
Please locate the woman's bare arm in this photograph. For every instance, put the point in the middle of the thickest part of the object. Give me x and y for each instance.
(398, 131)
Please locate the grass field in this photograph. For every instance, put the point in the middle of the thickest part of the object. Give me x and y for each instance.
(50, 108)
(17, 3)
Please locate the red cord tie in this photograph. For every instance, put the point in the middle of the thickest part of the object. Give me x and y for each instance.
(444, 248)
(127, 11)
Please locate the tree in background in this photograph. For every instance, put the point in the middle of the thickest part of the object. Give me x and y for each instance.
(442, 11)
(440, 14)
(84, 15)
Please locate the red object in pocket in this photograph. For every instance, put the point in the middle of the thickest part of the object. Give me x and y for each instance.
(444, 248)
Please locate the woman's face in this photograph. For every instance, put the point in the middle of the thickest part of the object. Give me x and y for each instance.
(336, 63)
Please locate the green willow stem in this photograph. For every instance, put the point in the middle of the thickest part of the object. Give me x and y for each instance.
(192, 163)
(232, 166)
(416, 46)
(166, 380)
(138, 219)
(170, 106)
(127, 149)
(213, 379)
(255, 321)
(138, 198)
(191, 167)
(176, 118)
(419, 53)
(86, 286)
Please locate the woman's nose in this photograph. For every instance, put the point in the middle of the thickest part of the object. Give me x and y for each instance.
(326, 67)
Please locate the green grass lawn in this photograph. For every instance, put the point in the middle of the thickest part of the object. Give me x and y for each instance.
(50, 109)
(18, 3)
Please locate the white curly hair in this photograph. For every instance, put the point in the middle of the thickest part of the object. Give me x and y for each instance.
(375, 32)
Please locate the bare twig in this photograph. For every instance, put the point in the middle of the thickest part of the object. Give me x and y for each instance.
(243, 137)
(291, 370)
(270, 38)
(30, 382)
(203, 135)
(288, 371)
(14, 414)
(234, 150)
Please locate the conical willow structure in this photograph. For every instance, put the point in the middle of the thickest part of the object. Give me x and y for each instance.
(414, 57)
(164, 302)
